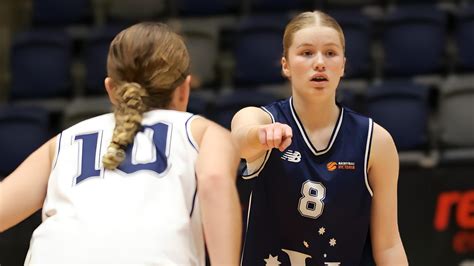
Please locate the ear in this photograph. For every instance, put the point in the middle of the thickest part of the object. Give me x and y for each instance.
(182, 94)
(285, 69)
(110, 87)
(343, 67)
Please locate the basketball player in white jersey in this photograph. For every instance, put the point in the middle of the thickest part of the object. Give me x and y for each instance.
(144, 185)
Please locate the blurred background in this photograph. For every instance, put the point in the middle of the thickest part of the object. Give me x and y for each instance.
(410, 66)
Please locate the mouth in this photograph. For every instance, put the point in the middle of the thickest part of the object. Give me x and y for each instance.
(319, 80)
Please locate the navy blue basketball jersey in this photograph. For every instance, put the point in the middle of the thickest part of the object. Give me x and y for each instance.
(309, 206)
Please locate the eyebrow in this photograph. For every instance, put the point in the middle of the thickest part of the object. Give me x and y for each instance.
(326, 44)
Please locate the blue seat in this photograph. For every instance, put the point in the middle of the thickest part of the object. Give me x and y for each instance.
(415, 2)
(22, 130)
(349, 98)
(61, 13)
(226, 105)
(464, 38)
(40, 64)
(264, 6)
(96, 49)
(200, 102)
(358, 35)
(128, 11)
(352, 4)
(402, 108)
(207, 7)
(258, 50)
(413, 40)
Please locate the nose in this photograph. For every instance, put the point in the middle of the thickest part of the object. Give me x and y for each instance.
(319, 63)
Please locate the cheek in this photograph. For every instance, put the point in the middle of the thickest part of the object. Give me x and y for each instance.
(338, 66)
(298, 66)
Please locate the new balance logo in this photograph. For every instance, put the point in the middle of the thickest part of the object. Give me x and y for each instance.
(292, 156)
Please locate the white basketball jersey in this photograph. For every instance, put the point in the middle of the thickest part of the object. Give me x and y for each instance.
(145, 212)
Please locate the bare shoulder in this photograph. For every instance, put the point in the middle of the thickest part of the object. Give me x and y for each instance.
(381, 135)
(383, 147)
(52, 145)
(200, 125)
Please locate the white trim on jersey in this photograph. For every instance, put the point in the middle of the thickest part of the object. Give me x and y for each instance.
(303, 133)
(192, 141)
(246, 228)
(57, 149)
(259, 163)
(366, 157)
(189, 133)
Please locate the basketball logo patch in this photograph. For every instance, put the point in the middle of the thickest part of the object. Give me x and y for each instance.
(331, 166)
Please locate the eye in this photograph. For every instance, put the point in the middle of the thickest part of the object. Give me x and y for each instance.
(331, 53)
(307, 53)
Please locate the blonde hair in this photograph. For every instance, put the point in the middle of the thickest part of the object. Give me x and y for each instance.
(307, 19)
(146, 63)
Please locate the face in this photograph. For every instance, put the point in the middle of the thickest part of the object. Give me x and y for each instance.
(315, 62)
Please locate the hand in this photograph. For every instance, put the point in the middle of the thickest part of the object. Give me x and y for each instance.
(276, 135)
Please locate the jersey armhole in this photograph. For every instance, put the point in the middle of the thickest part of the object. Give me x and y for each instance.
(254, 168)
(367, 156)
(56, 152)
(189, 133)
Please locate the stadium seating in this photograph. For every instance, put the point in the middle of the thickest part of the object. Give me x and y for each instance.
(401, 107)
(414, 39)
(22, 130)
(58, 13)
(227, 104)
(206, 7)
(40, 64)
(358, 35)
(96, 48)
(258, 50)
(464, 38)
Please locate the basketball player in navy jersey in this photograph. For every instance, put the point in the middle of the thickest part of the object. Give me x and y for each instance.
(325, 190)
(144, 185)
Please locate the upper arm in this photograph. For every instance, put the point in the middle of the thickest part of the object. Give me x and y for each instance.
(244, 131)
(383, 177)
(26, 186)
(217, 151)
(250, 116)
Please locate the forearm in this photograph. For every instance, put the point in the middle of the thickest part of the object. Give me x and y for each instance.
(247, 141)
(26, 187)
(222, 220)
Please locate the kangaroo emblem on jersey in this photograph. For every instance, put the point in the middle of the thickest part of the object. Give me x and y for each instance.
(292, 156)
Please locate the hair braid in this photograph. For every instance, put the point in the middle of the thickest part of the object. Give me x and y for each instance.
(128, 116)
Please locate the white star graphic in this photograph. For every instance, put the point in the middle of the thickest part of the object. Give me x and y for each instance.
(325, 255)
(332, 242)
(271, 261)
(306, 244)
(322, 230)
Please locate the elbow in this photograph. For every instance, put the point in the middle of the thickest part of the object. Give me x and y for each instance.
(213, 184)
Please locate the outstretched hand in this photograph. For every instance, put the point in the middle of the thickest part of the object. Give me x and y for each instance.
(276, 135)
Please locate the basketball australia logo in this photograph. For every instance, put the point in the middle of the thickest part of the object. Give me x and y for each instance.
(331, 166)
(292, 156)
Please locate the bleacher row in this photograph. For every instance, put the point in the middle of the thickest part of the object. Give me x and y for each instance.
(410, 67)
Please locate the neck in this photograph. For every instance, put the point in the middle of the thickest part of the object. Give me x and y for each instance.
(316, 113)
